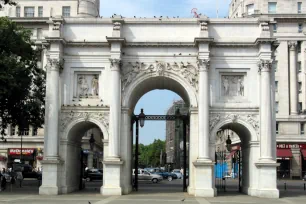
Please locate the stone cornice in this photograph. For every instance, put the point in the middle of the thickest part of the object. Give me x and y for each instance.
(56, 39)
(115, 39)
(264, 40)
(199, 40)
(87, 44)
(30, 20)
(159, 44)
(84, 108)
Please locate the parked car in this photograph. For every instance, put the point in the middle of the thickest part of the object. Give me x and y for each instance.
(144, 175)
(27, 171)
(167, 175)
(178, 173)
(93, 174)
(304, 179)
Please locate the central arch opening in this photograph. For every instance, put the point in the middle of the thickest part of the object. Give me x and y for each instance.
(160, 142)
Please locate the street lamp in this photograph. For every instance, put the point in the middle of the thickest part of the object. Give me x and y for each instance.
(228, 143)
(142, 118)
(92, 142)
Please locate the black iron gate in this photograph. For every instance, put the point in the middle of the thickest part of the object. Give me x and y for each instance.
(137, 119)
(224, 160)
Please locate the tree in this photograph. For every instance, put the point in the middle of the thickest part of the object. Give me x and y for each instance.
(9, 2)
(22, 82)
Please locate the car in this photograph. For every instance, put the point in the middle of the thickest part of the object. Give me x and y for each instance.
(178, 173)
(144, 175)
(93, 174)
(304, 179)
(27, 171)
(167, 175)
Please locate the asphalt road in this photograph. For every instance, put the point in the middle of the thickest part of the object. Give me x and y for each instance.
(164, 192)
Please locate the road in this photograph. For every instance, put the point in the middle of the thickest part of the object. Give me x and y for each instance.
(165, 192)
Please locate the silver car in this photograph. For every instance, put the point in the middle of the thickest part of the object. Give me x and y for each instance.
(144, 175)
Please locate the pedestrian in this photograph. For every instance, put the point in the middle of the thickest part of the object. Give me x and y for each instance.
(3, 182)
(19, 178)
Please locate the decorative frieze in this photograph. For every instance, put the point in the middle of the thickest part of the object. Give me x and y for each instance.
(203, 64)
(133, 70)
(115, 64)
(67, 117)
(88, 85)
(117, 26)
(265, 26)
(252, 119)
(204, 26)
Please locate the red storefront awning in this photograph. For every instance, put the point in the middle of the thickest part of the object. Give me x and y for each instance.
(231, 154)
(284, 153)
(304, 153)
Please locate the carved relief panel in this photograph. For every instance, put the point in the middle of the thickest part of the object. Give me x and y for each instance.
(232, 85)
(86, 85)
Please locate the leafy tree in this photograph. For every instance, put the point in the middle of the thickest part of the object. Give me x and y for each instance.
(22, 82)
(9, 2)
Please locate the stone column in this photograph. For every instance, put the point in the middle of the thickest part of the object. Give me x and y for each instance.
(115, 110)
(53, 109)
(293, 79)
(90, 159)
(203, 65)
(265, 111)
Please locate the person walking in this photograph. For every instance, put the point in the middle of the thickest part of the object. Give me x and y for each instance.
(19, 178)
(3, 182)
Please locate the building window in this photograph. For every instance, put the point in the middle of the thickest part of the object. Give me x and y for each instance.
(302, 129)
(276, 127)
(276, 86)
(299, 7)
(250, 9)
(29, 11)
(40, 11)
(300, 66)
(300, 107)
(276, 107)
(300, 87)
(274, 28)
(17, 11)
(272, 7)
(66, 11)
(300, 27)
(299, 46)
(13, 130)
(39, 33)
(34, 131)
(275, 65)
(25, 132)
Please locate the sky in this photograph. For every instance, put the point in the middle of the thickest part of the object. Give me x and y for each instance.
(150, 8)
(151, 102)
(155, 102)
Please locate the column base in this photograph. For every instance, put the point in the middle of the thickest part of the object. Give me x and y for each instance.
(48, 190)
(112, 177)
(108, 191)
(203, 186)
(51, 176)
(267, 180)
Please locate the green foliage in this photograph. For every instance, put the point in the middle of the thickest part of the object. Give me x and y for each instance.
(22, 82)
(9, 2)
(149, 155)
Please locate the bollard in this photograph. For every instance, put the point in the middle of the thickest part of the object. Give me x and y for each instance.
(285, 186)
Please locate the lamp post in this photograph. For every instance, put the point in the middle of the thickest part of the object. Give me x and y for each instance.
(138, 119)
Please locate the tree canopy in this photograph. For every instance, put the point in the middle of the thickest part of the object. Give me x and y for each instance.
(22, 82)
(9, 2)
(149, 155)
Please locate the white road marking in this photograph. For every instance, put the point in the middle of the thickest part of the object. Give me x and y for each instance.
(202, 200)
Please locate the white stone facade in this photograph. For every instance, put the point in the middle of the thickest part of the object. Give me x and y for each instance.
(98, 68)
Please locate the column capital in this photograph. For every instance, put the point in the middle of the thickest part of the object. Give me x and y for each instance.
(265, 65)
(203, 65)
(292, 45)
(55, 64)
(115, 64)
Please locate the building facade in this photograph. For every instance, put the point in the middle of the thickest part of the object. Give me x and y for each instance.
(287, 21)
(34, 15)
(98, 68)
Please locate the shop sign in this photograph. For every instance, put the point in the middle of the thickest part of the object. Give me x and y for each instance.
(289, 146)
(25, 151)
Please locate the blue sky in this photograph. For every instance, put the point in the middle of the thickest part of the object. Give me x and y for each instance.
(151, 102)
(155, 102)
(150, 8)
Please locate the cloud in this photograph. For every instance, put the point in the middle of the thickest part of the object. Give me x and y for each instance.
(150, 8)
